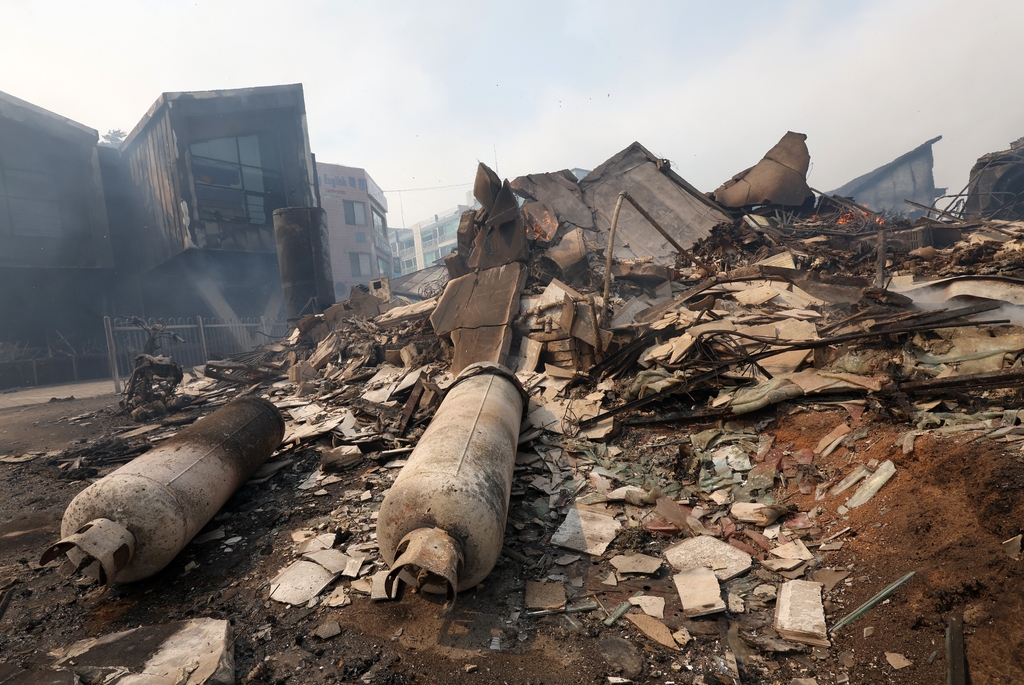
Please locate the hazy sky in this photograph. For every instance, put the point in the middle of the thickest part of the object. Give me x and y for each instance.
(418, 92)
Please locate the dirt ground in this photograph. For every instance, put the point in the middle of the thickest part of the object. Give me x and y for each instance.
(944, 516)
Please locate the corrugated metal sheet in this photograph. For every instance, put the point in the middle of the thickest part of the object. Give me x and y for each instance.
(152, 165)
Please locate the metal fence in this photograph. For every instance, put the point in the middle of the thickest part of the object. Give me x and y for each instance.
(204, 339)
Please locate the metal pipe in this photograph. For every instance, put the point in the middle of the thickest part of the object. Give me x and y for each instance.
(443, 519)
(871, 603)
(608, 257)
(136, 520)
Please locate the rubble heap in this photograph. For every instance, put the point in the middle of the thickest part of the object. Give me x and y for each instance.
(653, 482)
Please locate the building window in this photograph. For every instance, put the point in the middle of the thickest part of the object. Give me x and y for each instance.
(446, 229)
(31, 199)
(236, 179)
(360, 264)
(355, 213)
(360, 236)
(430, 257)
(409, 264)
(382, 266)
(379, 225)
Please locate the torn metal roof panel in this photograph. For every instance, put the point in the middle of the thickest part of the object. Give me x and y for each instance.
(681, 209)
(780, 178)
(908, 177)
(561, 192)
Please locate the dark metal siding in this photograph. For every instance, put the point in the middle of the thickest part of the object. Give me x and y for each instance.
(158, 230)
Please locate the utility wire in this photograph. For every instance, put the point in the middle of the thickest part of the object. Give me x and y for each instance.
(412, 190)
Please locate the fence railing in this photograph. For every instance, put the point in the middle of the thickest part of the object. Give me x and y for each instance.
(202, 339)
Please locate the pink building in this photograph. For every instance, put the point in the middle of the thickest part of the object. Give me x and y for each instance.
(357, 222)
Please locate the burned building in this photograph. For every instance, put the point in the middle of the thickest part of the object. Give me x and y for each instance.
(908, 177)
(198, 180)
(56, 259)
(357, 220)
(996, 186)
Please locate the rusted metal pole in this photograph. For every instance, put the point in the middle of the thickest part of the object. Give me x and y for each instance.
(956, 655)
(202, 339)
(608, 257)
(880, 263)
(112, 354)
(135, 520)
(442, 522)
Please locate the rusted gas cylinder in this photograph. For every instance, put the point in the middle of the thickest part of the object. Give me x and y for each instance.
(445, 513)
(135, 520)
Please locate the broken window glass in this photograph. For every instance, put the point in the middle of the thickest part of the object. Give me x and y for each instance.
(232, 181)
(379, 225)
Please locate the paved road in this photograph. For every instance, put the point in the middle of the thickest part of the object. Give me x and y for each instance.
(40, 395)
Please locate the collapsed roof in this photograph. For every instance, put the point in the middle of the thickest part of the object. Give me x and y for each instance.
(686, 213)
(996, 188)
(908, 177)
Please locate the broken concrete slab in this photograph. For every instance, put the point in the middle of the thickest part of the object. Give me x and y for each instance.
(300, 582)
(338, 598)
(795, 550)
(755, 512)
(585, 530)
(340, 458)
(897, 661)
(636, 563)
(872, 484)
(799, 614)
(829, 577)
(650, 605)
(704, 551)
(654, 629)
(836, 433)
(331, 559)
(328, 629)
(682, 637)
(1012, 547)
(699, 591)
(194, 652)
